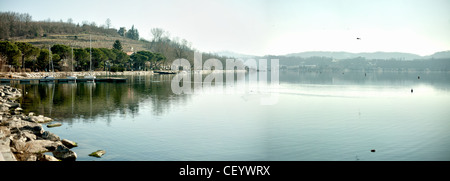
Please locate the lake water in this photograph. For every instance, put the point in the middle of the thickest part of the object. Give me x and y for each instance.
(317, 116)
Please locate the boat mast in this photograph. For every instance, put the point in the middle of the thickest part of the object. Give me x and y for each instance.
(51, 61)
(50, 55)
(90, 54)
(72, 61)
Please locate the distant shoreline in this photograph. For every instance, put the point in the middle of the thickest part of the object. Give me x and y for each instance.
(27, 75)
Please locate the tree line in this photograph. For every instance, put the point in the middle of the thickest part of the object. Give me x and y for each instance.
(159, 51)
(13, 25)
(361, 63)
(22, 56)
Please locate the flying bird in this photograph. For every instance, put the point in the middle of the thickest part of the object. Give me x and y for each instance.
(358, 38)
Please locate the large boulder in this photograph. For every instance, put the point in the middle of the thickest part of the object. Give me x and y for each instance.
(34, 146)
(98, 153)
(68, 143)
(47, 158)
(65, 154)
(40, 119)
(50, 136)
(25, 125)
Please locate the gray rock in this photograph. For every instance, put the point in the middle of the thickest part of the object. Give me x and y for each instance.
(31, 157)
(68, 143)
(12, 105)
(48, 158)
(47, 119)
(35, 146)
(41, 119)
(26, 125)
(98, 153)
(65, 154)
(54, 125)
(29, 135)
(50, 136)
(4, 108)
(37, 119)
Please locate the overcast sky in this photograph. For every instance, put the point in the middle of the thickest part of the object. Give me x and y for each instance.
(260, 27)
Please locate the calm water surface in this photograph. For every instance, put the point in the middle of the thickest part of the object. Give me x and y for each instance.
(318, 116)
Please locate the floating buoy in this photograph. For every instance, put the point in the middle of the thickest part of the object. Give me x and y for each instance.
(418, 77)
(373, 150)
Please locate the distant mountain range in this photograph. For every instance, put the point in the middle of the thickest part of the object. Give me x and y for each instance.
(347, 55)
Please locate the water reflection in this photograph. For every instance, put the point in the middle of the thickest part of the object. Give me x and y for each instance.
(438, 79)
(65, 101)
(88, 100)
(319, 116)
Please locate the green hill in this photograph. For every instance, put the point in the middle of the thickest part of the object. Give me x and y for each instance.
(82, 41)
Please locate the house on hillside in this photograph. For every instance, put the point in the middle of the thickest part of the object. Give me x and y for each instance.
(130, 52)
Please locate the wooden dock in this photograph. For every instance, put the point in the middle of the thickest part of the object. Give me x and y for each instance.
(58, 80)
(165, 72)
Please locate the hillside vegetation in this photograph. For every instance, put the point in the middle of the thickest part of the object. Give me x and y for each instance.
(24, 46)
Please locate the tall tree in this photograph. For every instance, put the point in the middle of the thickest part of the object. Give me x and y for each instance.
(81, 56)
(43, 59)
(12, 53)
(122, 31)
(62, 50)
(27, 50)
(132, 33)
(117, 45)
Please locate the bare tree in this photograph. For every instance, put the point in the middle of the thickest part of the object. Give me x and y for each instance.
(181, 48)
(108, 23)
(157, 34)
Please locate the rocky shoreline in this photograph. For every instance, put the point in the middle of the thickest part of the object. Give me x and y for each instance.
(25, 135)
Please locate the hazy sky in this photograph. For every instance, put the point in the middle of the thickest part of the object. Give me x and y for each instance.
(260, 27)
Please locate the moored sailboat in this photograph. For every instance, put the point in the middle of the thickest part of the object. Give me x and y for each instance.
(72, 77)
(50, 78)
(91, 76)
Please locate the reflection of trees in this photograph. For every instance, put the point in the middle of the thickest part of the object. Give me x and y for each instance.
(90, 100)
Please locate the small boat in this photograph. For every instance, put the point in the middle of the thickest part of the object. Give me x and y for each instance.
(89, 77)
(72, 77)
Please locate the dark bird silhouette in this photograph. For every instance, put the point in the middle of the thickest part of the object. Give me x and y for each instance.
(412, 90)
(358, 38)
(418, 77)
